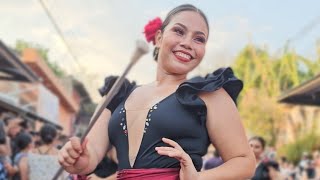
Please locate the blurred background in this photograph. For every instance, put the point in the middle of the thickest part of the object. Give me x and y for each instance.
(55, 54)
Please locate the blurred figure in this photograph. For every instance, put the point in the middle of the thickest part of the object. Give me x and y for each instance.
(24, 144)
(317, 163)
(213, 162)
(265, 169)
(43, 161)
(4, 152)
(36, 139)
(13, 128)
(287, 169)
(310, 168)
(48, 135)
(303, 163)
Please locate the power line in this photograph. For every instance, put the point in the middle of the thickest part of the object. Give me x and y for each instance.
(60, 33)
(303, 31)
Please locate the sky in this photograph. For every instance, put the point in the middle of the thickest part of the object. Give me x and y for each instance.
(101, 34)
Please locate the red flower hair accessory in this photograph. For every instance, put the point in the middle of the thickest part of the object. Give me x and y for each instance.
(151, 28)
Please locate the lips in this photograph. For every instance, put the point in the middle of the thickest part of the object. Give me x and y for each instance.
(183, 56)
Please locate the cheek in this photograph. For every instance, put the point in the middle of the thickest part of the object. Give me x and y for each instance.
(200, 52)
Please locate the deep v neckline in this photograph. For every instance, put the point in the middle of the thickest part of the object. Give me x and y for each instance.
(150, 110)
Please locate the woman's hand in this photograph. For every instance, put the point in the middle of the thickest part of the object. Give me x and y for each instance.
(187, 171)
(73, 156)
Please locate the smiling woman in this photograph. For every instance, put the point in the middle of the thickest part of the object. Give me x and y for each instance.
(161, 130)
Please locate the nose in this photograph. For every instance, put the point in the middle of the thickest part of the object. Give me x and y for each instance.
(186, 42)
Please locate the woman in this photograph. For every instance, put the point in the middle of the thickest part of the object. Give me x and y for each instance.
(162, 129)
(43, 159)
(24, 144)
(266, 169)
(48, 135)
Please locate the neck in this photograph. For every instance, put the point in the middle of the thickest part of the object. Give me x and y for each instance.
(165, 78)
(47, 145)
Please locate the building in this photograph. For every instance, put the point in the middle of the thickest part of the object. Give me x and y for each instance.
(303, 108)
(16, 81)
(67, 105)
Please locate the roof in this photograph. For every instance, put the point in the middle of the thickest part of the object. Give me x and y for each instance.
(307, 93)
(13, 68)
(25, 113)
(49, 79)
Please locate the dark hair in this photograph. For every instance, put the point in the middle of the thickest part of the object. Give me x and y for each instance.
(260, 139)
(172, 13)
(7, 119)
(24, 124)
(23, 140)
(3, 136)
(48, 133)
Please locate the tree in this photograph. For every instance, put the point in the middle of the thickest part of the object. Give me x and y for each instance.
(265, 78)
(43, 52)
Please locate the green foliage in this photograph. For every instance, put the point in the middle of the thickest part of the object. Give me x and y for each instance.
(265, 78)
(43, 52)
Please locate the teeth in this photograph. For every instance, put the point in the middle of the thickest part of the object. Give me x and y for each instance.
(183, 55)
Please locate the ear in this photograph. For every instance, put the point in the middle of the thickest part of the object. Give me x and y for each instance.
(158, 38)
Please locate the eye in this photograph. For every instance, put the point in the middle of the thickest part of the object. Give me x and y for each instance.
(200, 39)
(178, 31)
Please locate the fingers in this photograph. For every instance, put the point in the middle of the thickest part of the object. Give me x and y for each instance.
(172, 143)
(171, 152)
(70, 153)
(175, 151)
(76, 144)
(64, 160)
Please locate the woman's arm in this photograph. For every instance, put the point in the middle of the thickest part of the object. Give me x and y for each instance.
(98, 140)
(228, 136)
(23, 168)
(94, 150)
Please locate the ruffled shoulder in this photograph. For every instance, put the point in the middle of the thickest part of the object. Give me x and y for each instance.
(187, 93)
(124, 91)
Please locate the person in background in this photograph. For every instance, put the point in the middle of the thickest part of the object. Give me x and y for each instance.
(266, 169)
(213, 162)
(48, 136)
(4, 153)
(24, 144)
(43, 161)
(13, 128)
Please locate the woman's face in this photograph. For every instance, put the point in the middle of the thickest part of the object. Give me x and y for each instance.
(256, 147)
(182, 43)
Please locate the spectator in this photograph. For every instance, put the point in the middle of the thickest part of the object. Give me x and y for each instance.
(213, 162)
(43, 162)
(265, 169)
(24, 144)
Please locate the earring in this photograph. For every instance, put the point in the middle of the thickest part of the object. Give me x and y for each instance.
(155, 53)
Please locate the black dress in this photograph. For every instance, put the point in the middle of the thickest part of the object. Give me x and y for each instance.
(181, 117)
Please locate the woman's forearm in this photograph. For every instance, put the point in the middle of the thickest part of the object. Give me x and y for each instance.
(235, 168)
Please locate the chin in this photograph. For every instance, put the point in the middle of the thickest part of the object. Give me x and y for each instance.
(180, 70)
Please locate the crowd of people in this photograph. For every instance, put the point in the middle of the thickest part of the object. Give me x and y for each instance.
(271, 167)
(26, 154)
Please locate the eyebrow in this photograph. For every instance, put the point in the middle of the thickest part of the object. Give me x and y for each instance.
(197, 32)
